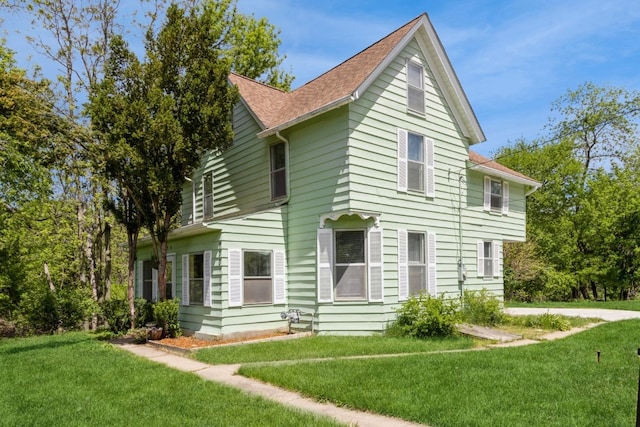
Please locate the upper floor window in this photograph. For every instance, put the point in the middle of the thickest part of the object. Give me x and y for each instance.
(415, 87)
(416, 163)
(496, 195)
(207, 195)
(278, 158)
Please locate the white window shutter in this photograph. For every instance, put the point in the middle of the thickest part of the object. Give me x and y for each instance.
(432, 277)
(154, 285)
(139, 272)
(206, 281)
(375, 263)
(505, 197)
(430, 168)
(279, 278)
(325, 265)
(403, 265)
(497, 258)
(185, 279)
(402, 159)
(487, 193)
(235, 277)
(480, 258)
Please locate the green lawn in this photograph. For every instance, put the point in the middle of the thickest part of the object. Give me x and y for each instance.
(75, 380)
(633, 305)
(555, 383)
(326, 347)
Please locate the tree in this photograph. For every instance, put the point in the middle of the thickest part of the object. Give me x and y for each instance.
(158, 117)
(576, 219)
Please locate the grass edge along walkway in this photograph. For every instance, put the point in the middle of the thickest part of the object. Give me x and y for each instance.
(226, 374)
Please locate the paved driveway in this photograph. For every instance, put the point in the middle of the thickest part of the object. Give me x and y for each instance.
(598, 313)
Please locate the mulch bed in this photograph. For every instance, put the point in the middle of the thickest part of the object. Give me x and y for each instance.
(185, 342)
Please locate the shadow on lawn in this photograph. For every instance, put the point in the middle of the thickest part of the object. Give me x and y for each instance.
(23, 345)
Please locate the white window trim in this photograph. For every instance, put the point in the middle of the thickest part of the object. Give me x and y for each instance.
(206, 278)
(420, 88)
(235, 275)
(374, 258)
(205, 195)
(403, 161)
(487, 195)
(286, 171)
(496, 255)
(430, 249)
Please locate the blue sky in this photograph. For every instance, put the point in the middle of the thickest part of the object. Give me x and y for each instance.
(513, 58)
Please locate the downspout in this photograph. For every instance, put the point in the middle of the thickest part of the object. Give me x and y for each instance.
(460, 265)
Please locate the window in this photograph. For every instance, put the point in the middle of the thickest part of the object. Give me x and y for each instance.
(350, 266)
(416, 163)
(207, 195)
(147, 280)
(257, 279)
(496, 195)
(278, 157)
(417, 265)
(415, 87)
(489, 258)
(196, 278)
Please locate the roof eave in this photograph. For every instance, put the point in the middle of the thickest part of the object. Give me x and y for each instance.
(318, 111)
(505, 175)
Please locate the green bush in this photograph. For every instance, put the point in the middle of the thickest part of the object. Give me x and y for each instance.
(43, 311)
(166, 316)
(118, 317)
(548, 321)
(481, 308)
(425, 316)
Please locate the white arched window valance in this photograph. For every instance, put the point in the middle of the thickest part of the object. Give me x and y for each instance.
(333, 216)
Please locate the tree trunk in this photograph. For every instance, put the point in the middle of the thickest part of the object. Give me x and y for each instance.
(132, 241)
(92, 276)
(48, 276)
(107, 261)
(162, 271)
(585, 292)
(594, 290)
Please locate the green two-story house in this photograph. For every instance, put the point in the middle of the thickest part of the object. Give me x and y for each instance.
(342, 198)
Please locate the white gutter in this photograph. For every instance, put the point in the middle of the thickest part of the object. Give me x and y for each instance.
(327, 107)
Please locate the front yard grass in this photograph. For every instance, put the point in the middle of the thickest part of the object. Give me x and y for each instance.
(557, 383)
(74, 380)
(315, 347)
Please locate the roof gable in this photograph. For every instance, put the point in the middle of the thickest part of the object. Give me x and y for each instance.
(276, 110)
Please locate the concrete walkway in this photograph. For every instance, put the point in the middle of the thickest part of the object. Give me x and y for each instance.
(226, 374)
(596, 313)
